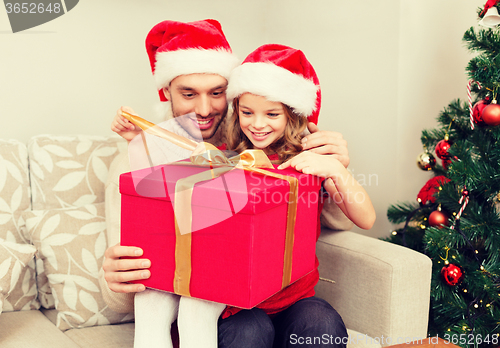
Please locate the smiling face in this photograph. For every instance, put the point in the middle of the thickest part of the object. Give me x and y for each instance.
(201, 94)
(261, 120)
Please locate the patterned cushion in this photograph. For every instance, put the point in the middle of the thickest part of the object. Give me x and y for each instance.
(68, 171)
(71, 244)
(14, 198)
(14, 260)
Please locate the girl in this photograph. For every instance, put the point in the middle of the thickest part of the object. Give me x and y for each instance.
(275, 93)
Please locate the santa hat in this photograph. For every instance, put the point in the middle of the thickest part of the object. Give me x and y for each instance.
(281, 74)
(176, 48)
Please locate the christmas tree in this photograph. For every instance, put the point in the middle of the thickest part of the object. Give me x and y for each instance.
(456, 217)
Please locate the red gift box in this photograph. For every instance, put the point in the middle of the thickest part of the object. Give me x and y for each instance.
(239, 223)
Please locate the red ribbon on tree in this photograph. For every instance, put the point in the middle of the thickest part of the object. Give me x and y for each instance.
(427, 192)
(489, 4)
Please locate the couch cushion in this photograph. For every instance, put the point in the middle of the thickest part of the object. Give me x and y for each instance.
(70, 170)
(14, 188)
(105, 336)
(14, 259)
(71, 244)
(31, 329)
(14, 198)
(108, 336)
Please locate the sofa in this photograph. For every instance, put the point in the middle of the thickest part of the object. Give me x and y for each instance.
(53, 238)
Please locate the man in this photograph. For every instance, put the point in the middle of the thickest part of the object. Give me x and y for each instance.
(191, 63)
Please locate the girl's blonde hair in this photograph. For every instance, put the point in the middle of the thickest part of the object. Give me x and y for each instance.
(287, 146)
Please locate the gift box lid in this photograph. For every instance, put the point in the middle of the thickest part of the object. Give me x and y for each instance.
(238, 191)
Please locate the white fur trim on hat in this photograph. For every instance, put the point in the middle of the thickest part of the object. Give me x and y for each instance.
(276, 84)
(163, 111)
(170, 64)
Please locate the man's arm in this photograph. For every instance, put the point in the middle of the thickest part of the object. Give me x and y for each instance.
(326, 143)
(329, 143)
(116, 272)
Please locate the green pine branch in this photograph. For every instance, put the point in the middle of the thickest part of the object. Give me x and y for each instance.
(398, 213)
(482, 41)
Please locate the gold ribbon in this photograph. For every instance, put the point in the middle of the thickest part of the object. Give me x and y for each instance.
(249, 160)
(153, 129)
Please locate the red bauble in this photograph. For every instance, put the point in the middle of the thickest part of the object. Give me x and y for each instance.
(452, 274)
(442, 149)
(446, 163)
(491, 115)
(438, 218)
(477, 112)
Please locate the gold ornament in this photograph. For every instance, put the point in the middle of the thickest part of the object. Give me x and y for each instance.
(426, 161)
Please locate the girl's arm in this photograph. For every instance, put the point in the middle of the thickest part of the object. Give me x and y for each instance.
(121, 126)
(349, 195)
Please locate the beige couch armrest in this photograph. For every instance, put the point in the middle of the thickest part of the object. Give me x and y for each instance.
(381, 289)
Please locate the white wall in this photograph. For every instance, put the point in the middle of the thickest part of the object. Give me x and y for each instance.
(71, 74)
(387, 67)
(432, 61)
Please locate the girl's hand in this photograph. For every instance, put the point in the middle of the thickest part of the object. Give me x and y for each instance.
(123, 127)
(308, 162)
(345, 191)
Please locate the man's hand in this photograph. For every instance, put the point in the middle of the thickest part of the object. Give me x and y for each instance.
(118, 272)
(326, 143)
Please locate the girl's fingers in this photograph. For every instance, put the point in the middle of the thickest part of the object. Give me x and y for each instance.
(294, 161)
(126, 123)
(285, 164)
